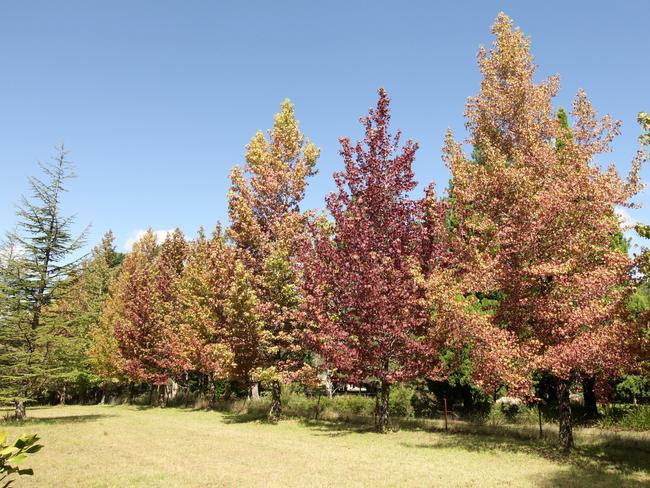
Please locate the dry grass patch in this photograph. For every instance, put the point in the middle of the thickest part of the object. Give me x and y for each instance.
(118, 446)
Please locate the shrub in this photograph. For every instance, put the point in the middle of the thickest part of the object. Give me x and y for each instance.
(634, 388)
(425, 404)
(346, 405)
(400, 401)
(629, 416)
(508, 410)
(17, 453)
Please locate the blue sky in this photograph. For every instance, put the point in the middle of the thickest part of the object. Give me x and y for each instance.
(157, 99)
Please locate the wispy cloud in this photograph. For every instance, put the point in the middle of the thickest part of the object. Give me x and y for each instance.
(136, 235)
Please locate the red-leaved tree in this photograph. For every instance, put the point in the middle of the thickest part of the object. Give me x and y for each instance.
(143, 310)
(375, 287)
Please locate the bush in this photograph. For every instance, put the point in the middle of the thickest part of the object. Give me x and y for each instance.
(634, 388)
(629, 416)
(399, 402)
(346, 405)
(638, 418)
(508, 410)
(425, 404)
(12, 456)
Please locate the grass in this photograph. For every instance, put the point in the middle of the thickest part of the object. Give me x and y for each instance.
(118, 446)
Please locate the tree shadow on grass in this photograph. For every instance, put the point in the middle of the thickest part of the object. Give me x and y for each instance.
(335, 428)
(607, 463)
(55, 420)
(242, 418)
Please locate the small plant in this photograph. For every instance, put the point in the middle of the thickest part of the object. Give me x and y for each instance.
(400, 401)
(12, 456)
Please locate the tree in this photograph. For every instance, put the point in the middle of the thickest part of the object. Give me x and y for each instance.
(536, 220)
(266, 223)
(33, 277)
(143, 312)
(204, 293)
(76, 316)
(375, 286)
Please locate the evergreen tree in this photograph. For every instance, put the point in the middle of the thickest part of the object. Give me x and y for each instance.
(33, 279)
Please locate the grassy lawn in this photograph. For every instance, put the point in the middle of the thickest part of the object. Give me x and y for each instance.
(102, 446)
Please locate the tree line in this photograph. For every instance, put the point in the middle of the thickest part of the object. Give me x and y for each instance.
(520, 270)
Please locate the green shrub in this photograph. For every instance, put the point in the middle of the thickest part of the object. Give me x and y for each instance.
(300, 405)
(629, 416)
(399, 402)
(511, 412)
(346, 405)
(634, 388)
(637, 418)
(425, 404)
(15, 454)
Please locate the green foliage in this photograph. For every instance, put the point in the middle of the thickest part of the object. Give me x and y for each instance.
(639, 301)
(400, 401)
(628, 416)
(563, 122)
(345, 405)
(34, 272)
(634, 388)
(11, 456)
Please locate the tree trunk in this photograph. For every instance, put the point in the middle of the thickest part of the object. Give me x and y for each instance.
(591, 406)
(329, 386)
(20, 410)
(381, 419)
(253, 390)
(276, 405)
(171, 390)
(566, 429)
(162, 396)
(62, 395)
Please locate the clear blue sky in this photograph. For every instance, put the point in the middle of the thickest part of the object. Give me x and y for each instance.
(157, 99)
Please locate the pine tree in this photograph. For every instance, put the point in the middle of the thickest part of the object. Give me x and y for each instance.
(34, 277)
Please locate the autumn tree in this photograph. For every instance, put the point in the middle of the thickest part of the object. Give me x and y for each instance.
(536, 219)
(266, 220)
(41, 258)
(143, 312)
(218, 310)
(376, 285)
(76, 317)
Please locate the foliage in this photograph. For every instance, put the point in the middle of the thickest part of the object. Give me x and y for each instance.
(634, 388)
(266, 224)
(382, 304)
(11, 456)
(36, 264)
(143, 313)
(73, 330)
(627, 416)
(537, 221)
(401, 401)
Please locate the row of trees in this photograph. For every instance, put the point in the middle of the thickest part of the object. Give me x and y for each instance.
(521, 267)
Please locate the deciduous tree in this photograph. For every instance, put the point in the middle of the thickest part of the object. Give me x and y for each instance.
(376, 284)
(266, 222)
(536, 219)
